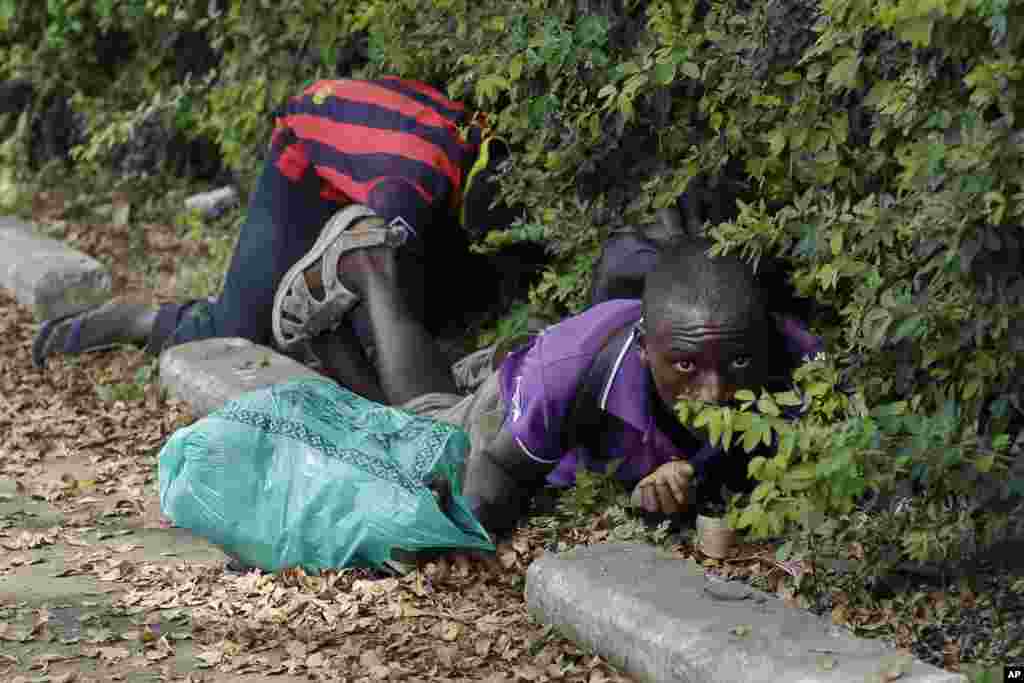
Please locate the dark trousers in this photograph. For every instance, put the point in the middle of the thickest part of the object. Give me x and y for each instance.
(282, 223)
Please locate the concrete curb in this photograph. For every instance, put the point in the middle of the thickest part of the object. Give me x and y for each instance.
(208, 373)
(660, 619)
(212, 204)
(49, 277)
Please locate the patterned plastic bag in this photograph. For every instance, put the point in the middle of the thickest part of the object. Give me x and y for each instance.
(309, 474)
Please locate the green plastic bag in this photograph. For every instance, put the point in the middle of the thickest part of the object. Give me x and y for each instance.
(308, 474)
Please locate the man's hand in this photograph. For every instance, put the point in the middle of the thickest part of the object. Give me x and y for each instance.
(666, 489)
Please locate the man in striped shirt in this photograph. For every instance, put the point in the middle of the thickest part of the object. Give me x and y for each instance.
(417, 161)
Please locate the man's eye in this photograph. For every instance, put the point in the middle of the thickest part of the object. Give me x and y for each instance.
(742, 362)
(684, 366)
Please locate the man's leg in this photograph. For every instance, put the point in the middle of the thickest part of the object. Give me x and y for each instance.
(282, 222)
(343, 356)
(409, 361)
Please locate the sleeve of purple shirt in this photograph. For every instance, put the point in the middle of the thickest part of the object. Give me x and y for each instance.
(540, 380)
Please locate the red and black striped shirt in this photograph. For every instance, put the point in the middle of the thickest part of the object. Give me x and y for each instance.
(390, 144)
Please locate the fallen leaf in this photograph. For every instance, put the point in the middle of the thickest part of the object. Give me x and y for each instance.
(740, 631)
(370, 659)
(447, 655)
(114, 654)
(210, 658)
(8, 633)
(508, 559)
(826, 663)
(44, 661)
(531, 673)
(483, 646)
(451, 631)
(125, 548)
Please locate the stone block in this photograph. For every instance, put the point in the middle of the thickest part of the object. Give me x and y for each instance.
(208, 373)
(214, 203)
(46, 275)
(661, 619)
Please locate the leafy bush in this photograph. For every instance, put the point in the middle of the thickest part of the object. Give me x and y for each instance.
(874, 147)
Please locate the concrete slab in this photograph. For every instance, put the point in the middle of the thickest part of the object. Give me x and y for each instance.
(206, 374)
(659, 619)
(214, 203)
(48, 276)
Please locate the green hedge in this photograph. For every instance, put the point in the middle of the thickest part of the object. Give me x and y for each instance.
(874, 144)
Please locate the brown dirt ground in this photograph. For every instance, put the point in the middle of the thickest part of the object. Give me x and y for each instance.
(88, 457)
(91, 458)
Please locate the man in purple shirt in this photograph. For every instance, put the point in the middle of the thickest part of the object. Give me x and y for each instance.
(702, 330)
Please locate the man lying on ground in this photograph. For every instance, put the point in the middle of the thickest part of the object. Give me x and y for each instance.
(596, 387)
(602, 386)
(395, 150)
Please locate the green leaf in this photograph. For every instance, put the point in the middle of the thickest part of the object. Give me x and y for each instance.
(715, 427)
(788, 78)
(664, 73)
(788, 398)
(745, 395)
(787, 443)
(910, 327)
(767, 406)
(975, 184)
(683, 412)
(690, 70)
(836, 243)
(936, 159)
(939, 120)
(844, 73)
(515, 67)
(488, 87)
(985, 463)
(876, 324)
(918, 31)
(776, 142)
(751, 438)
(756, 466)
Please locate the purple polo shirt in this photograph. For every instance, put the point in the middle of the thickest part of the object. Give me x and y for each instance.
(539, 381)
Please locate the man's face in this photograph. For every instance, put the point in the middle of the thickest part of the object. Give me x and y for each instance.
(695, 357)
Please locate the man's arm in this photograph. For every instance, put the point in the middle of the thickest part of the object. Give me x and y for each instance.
(501, 480)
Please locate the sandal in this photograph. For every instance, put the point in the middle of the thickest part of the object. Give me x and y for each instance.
(298, 315)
